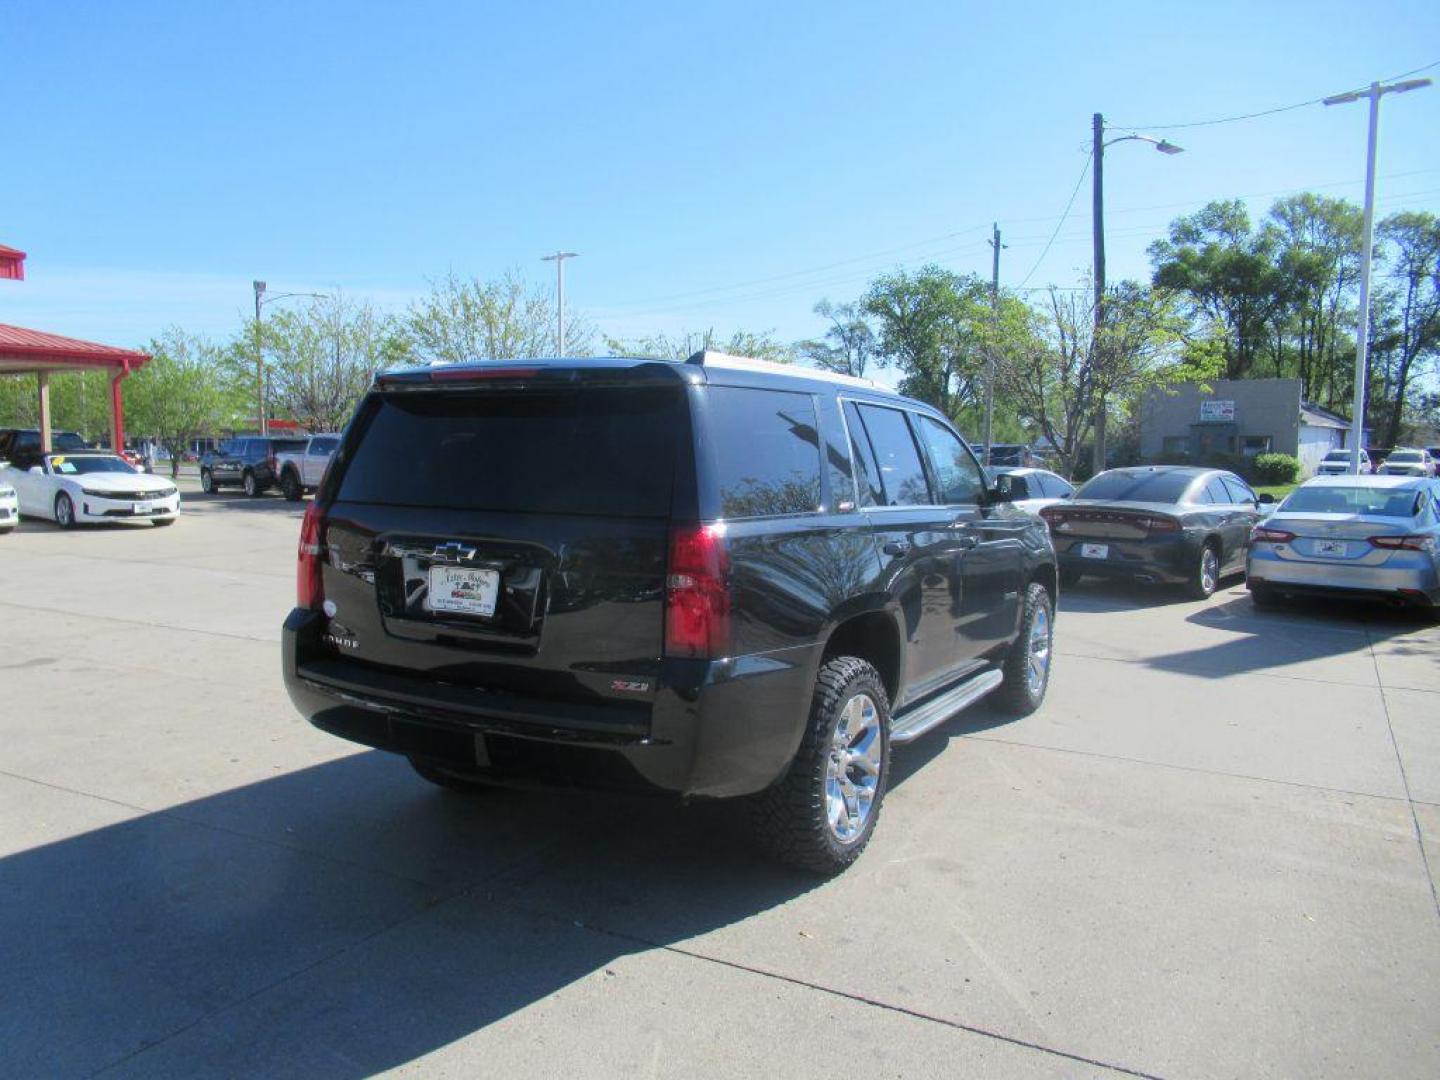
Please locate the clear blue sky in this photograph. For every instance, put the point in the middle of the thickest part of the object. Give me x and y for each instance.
(160, 156)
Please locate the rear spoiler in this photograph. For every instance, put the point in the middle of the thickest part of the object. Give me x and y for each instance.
(515, 374)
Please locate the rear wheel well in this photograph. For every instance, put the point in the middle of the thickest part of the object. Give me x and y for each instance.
(1045, 575)
(871, 637)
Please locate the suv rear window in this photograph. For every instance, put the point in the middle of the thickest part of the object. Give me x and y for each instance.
(1137, 487)
(767, 451)
(606, 452)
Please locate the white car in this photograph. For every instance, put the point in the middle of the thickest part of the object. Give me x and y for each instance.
(1337, 463)
(1403, 462)
(90, 487)
(9, 506)
(1033, 489)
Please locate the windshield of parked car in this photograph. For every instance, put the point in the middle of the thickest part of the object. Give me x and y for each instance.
(1405, 455)
(1377, 501)
(1340, 455)
(1162, 487)
(62, 465)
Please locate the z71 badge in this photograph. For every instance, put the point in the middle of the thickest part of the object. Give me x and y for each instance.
(626, 686)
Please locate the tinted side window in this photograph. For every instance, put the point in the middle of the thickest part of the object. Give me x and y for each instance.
(1018, 486)
(902, 476)
(1047, 485)
(867, 472)
(956, 473)
(1238, 490)
(1215, 492)
(767, 451)
(323, 446)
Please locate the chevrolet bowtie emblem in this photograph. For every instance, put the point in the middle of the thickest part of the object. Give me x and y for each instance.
(454, 551)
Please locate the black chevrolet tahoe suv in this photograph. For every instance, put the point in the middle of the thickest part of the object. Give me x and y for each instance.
(716, 578)
(249, 462)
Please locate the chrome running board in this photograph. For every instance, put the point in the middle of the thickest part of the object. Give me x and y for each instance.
(916, 722)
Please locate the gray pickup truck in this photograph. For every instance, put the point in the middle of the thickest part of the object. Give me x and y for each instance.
(301, 469)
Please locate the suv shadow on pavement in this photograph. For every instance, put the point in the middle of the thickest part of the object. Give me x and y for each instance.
(343, 919)
(1302, 631)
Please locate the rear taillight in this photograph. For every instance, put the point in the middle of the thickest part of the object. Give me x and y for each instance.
(1404, 543)
(1262, 535)
(309, 589)
(480, 374)
(697, 593)
(1156, 524)
(1053, 517)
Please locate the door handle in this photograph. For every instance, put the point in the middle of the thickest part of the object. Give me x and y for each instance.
(968, 541)
(896, 547)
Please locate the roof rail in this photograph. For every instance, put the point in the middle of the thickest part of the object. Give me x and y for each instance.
(712, 358)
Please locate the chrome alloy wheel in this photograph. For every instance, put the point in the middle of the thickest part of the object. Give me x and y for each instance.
(852, 773)
(1038, 647)
(1209, 570)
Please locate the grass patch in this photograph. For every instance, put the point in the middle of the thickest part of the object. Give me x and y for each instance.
(1279, 491)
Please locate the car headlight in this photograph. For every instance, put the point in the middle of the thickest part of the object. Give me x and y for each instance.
(101, 494)
(7, 493)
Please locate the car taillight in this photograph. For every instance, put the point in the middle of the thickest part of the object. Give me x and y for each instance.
(309, 588)
(1156, 524)
(1260, 534)
(697, 593)
(480, 374)
(1053, 517)
(1404, 543)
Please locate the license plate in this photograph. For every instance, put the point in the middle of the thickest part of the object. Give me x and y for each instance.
(462, 591)
(1095, 551)
(140, 508)
(1332, 547)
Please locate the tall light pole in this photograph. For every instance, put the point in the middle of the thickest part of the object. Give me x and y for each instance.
(1098, 219)
(559, 260)
(994, 342)
(260, 301)
(1362, 334)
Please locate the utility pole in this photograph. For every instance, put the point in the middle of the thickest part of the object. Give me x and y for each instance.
(1097, 363)
(559, 260)
(1097, 214)
(260, 362)
(994, 343)
(1367, 244)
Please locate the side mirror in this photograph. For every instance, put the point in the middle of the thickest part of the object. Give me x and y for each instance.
(1068, 495)
(37, 470)
(1266, 498)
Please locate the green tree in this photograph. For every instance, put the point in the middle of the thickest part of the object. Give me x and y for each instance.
(184, 392)
(321, 359)
(1227, 275)
(469, 319)
(933, 325)
(1054, 375)
(1407, 333)
(761, 346)
(848, 346)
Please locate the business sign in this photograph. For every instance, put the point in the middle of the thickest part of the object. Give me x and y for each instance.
(1217, 411)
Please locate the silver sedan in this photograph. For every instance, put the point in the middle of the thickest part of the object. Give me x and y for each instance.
(1350, 536)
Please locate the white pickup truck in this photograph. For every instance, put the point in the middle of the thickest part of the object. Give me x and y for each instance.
(300, 470)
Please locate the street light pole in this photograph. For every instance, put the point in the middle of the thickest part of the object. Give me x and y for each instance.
(259, 362)
(559, 260)
(994, 342)
(1097, 365)
(1367, 245)
(260, 301)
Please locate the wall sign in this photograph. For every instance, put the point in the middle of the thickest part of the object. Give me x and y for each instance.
(1211, 411)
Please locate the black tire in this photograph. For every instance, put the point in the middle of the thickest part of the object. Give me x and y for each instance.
(64, 511)
(1021, 694)
(290, 486)
(791, 819)
(207, 481)
(1069, 578)
(451, 779)
(1264, 597)
(160, 523)
(252, 486)
(1205, 574)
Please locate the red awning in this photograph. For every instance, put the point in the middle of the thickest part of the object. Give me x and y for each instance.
(35, 350)
(12, 264)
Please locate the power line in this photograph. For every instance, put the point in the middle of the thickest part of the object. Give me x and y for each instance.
(1084, 169)
(1262, 112)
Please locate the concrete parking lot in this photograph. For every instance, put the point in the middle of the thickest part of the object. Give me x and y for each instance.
(1202, 858)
